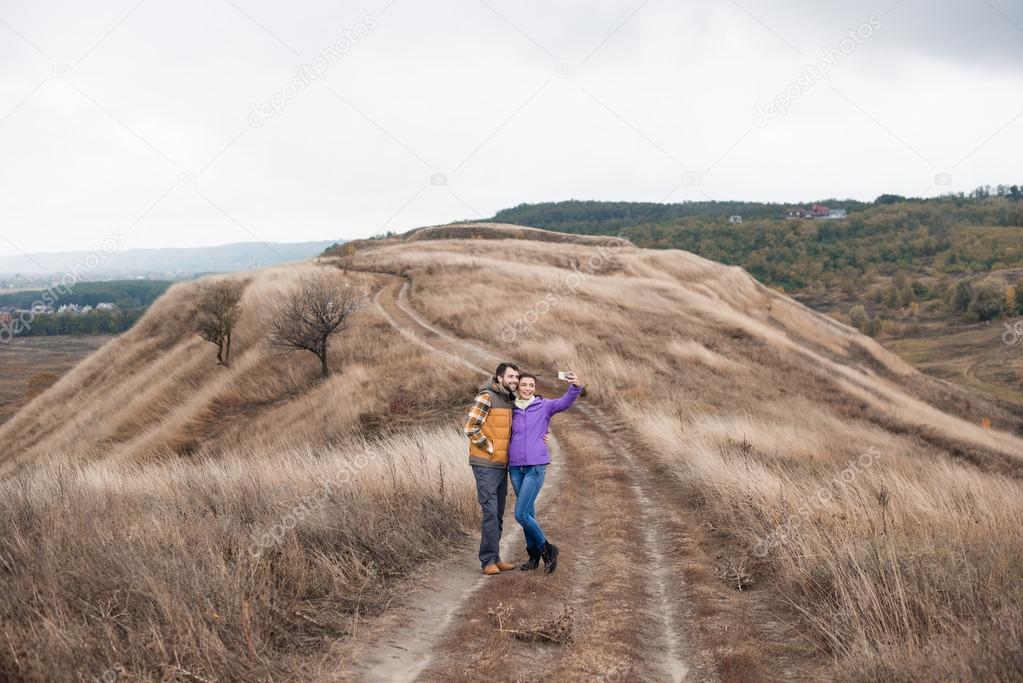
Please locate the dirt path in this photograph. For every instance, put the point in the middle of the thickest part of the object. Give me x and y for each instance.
(403, 643)
(662, 532)
(619, 584)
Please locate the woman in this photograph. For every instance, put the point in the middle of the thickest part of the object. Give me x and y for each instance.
(528, 459)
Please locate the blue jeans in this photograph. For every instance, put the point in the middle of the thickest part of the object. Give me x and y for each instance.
(527, 482)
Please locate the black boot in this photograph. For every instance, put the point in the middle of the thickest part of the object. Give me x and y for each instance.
(550, 557)
(534, 560)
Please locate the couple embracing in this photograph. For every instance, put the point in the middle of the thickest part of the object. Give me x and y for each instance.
(507, 429)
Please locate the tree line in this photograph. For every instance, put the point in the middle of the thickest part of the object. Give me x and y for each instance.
(124, 293)
(95, 321)
(954, 234)
(609, 218)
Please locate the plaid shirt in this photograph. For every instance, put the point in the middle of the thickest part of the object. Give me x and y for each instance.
(474, 422)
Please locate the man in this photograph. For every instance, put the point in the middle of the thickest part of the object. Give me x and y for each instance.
(488, 427)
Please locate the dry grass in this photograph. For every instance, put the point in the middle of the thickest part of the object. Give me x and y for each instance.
(886, 552)
(557, 629)
(244, 567)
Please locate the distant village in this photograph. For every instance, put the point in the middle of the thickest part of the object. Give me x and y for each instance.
(815, 211)
(94, 307)
(9, 313)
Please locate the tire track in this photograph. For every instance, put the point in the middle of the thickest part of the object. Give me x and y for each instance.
(663, 525)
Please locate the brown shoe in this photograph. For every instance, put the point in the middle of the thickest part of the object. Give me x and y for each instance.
(491, 569)
(505, 566)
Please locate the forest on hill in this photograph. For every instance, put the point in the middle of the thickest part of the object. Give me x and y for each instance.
(952, 255)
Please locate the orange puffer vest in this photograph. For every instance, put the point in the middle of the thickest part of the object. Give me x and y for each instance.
(497, 429)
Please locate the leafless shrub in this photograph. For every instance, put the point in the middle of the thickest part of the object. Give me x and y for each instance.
(318, 309)
(735, 574)
(557, 629)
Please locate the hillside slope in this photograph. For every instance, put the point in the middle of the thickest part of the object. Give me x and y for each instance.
(683, 309)
(157, 390)
(785, 453)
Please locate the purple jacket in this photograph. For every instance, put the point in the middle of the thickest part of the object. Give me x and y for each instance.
(529, 426)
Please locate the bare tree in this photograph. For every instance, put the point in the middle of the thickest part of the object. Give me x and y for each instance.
(318, 309)
(218, 310)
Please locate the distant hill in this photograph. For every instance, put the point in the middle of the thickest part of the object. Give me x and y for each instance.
(951, 258)
(954, 235)
(169, 263)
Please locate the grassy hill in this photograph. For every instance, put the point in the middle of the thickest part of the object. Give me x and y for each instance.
(252, 521)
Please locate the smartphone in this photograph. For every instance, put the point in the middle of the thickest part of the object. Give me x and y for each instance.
(563, 376)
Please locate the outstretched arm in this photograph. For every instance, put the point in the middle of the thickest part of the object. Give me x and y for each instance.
(565, 400)
(474, 422)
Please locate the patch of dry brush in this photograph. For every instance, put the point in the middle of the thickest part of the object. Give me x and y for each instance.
(245, 567)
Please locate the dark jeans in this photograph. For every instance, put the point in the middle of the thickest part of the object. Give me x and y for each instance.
(491, 491)
(527, 481)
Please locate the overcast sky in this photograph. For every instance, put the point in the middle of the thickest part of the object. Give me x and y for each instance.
(149, 118)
